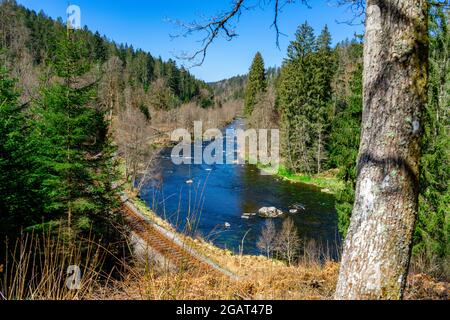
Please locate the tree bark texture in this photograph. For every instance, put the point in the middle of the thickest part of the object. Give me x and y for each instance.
(377, 249)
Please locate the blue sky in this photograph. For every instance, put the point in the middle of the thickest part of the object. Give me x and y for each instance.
(146, 24)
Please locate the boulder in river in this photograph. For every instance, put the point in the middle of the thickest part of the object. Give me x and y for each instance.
(298, 206)
(247, 215)
(270, 212)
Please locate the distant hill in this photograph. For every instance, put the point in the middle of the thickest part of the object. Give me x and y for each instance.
(229, 89)
(234, 87)
(28, 42)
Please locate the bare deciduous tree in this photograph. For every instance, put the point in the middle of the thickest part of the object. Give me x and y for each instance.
(264, 115)
(14, 36)
(288, 241)
(109, 86)
(268, 240)
(134, 136)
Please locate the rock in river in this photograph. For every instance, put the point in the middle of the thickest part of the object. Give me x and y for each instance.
(298, 206)
(247, 215)
(269, 212)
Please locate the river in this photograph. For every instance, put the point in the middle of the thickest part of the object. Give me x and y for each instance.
(219, 195)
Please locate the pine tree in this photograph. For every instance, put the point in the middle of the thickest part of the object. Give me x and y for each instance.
(256, 84)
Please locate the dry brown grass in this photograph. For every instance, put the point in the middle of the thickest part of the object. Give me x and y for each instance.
(258, 276)
(260, 279)
(36, 268)
(425, 287)
(274, 283)
(38, 272)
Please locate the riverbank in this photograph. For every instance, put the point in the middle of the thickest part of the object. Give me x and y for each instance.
(327, 181)
(258, 277)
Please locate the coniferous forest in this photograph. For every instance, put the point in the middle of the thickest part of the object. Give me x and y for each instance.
(85, 122)
(325, 133)
(63, 119)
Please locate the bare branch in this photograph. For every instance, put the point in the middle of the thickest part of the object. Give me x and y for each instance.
(358, 8)
(213, 27)
(224, 24)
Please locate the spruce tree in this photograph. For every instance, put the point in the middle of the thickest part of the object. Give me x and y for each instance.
(295, 105)
(173, 77)
(256, 84)
(323, 73)
(20, 201)
(304, 99)
(75, 152)
(343, 146)
(99, 48)
(304, 43)
(432, 236)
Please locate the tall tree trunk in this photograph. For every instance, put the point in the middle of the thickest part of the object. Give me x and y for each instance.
(377, 248)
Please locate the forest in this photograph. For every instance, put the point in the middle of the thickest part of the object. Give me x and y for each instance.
(324, 134)
(84, 119)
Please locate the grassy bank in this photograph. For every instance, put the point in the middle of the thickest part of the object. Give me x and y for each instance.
(326, 181)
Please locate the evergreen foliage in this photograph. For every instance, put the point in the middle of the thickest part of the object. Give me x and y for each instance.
(344, 145)
(256, 83)
(431, 236)
(56, 153)
(20, 199)
(304, 99)
(74, 150)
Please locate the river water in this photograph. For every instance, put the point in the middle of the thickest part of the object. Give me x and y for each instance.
(219, 195)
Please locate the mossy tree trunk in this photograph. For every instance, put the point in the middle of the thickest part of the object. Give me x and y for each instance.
(377, 249)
